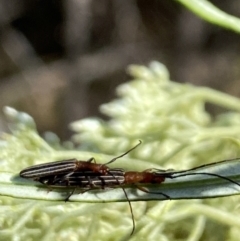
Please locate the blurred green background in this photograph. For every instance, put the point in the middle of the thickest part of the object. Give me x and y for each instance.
(59, 60)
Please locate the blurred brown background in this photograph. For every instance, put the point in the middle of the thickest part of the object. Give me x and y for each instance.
(59, 60)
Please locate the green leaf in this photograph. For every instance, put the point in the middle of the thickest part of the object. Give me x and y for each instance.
(193, 185)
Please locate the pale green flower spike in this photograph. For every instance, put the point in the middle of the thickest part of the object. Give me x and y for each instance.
(177, 133)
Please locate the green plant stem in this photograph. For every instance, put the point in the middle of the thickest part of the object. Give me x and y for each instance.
(207, 11)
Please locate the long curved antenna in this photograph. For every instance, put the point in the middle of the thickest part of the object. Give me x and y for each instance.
(204, 173)
(198, 167)
(115, 158)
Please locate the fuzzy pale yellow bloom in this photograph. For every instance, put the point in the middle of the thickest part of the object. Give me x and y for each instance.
(177, 133)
